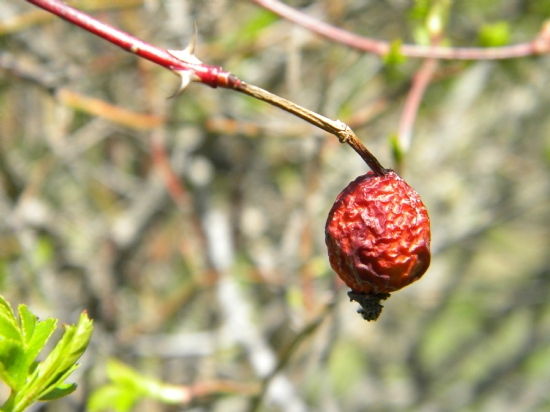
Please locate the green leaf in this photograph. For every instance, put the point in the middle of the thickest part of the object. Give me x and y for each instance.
(396, 149)
(252, 28)
(28, 323)
(9, 329)
(6, 310)
(60, 391)
(8, 324)
(394, 56)
(56, 382)
(59, 364)
(420, 10)
(70, 348)
(43, 252)
(123, 375)
(421, 36)
(13, 367)
(42, 332)
(494, 35)
(110, 397)
(131, 379)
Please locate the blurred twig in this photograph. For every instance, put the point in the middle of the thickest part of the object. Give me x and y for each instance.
(540, 45)
(287, 353)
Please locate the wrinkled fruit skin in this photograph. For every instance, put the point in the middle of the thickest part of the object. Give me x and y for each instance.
(378, 234)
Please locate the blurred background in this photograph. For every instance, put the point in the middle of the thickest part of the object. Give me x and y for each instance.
(192, 229)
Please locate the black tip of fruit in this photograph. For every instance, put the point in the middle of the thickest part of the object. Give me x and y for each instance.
(370, 303)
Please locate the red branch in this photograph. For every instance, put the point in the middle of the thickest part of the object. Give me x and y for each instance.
(419, 84)
(213, 76)
(539, 45)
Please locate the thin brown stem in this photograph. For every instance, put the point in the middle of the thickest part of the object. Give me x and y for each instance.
(539, 45)
(339, 129)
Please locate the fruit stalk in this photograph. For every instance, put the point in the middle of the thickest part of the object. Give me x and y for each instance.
(338, 128)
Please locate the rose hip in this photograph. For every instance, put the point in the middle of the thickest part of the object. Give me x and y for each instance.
(378, 238)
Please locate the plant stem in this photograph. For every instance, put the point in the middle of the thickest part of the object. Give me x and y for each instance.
(339, 129)
(213, 76)
(540, 45)
(208, 74)
(420, 82)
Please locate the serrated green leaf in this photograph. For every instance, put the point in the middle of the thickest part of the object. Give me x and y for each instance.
(8, 324)
(494, 35)
(59, 364)
(6, 310)
(59, 392)
(13, 368)
(394, 56)
(9, 329)
(110, 397)
(28, 322)
(42, 332)
(70, 347)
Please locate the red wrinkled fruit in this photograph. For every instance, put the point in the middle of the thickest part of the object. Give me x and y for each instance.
(378, 237)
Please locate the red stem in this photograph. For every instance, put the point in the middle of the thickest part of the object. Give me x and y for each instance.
(211, 75)
(540, 45)
(419, 84)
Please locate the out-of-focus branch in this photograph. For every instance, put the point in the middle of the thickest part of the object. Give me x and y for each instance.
(420, 81)
(419, 84)
(540, 45)
(284, 358)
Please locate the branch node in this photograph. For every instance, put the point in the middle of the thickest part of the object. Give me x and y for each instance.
(345, 133)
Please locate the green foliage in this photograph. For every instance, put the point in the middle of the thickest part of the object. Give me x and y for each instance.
(21, 342)
(494, 35)
(128, 387)
(420, 10)
(396, 149)
(421, 35)
(44, 251)
(394, 57)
